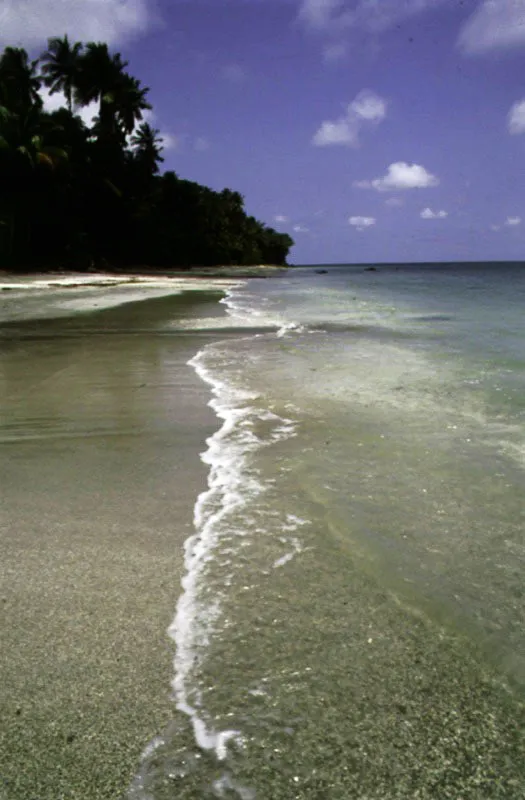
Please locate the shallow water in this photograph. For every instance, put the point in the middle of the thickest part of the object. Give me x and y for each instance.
(351, 618)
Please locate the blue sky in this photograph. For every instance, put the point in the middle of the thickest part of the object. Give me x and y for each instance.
(370, 130)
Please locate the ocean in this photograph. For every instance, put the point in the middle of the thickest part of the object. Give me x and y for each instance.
(350, 623)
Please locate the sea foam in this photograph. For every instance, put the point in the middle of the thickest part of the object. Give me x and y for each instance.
(228, 489)
(231, 486)
(216, 543)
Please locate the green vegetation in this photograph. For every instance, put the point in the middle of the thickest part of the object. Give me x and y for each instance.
(80, 197)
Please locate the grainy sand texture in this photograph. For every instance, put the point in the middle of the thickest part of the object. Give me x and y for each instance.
(101, 425)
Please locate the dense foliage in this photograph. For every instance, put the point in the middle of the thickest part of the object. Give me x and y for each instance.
(78, 196)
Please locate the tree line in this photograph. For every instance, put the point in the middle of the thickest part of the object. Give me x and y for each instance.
(93, 196)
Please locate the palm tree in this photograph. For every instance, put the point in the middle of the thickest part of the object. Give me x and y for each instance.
(130, 101)
(22, 138)
(98, 76)
(19, 80)
(25, 157)
(61, 66)
(147, 146)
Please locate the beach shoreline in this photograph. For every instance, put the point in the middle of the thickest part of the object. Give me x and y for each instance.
(64, 277)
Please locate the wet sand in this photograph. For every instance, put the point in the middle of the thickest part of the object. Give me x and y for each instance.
(101, 425)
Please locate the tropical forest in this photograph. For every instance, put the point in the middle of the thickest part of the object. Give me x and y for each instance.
(81, 197)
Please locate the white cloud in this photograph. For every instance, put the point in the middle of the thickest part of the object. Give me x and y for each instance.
(510, 222)
(361, 223)
(88, 113)
(169, 141)
(31, 22)
(394, 202)
(380, 15)
(516, 118)
(495, 24)
(52, 102)
(148, 115)
(339, 132)
(367, 109)
(401, 176)
(323, 13)
(300, 229)
(368, 106)
(280, 218)
(427, 213)
(335, 52)
(371, 15)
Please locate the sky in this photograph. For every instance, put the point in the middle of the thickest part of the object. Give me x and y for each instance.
(370, 130)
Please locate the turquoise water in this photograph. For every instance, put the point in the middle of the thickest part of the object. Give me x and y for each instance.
(351, 618)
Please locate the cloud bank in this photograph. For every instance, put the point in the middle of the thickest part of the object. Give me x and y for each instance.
(495, 24)
(31, 22)
(372, 15)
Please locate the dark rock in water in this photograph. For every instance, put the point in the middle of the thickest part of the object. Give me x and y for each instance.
(370, 269)
(321, 271)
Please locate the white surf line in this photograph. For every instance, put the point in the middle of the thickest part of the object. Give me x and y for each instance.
(258, 317)
(228, 489)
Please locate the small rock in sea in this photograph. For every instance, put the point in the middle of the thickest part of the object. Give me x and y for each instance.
(370, 269)
(70, 738)
(321, 271)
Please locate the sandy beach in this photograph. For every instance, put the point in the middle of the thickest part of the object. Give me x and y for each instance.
(316, 656)
(101, 424)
